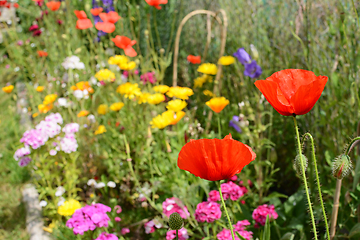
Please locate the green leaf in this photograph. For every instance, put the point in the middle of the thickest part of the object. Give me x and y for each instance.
(274, 195)
(241, 237)
(288, 236)
(266, 233)
(355, 231)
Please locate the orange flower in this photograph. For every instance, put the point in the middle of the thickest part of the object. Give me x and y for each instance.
(42, 53)
(96, 11)
(45, 108)
(80, 14)
(53, 5)
(126, 44)
(194, 59)
(8, 89)
(156, 3)
(177, 117)
(83, 86)
(107, 27)
(217, 104)
(215, 159)
(83, 22)
(40, 88)
(82, 113)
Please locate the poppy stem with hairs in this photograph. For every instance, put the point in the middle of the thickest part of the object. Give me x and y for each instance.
(304, 178)
(226, 212)
(219, 126)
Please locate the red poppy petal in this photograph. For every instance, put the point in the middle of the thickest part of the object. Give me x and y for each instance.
(275, 97)
(107, 27)
(84, 24)
(129, 51)
(307, 95)
(104, 17)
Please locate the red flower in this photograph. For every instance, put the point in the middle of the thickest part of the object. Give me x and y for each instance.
(53, 5)
(33, 27)
(96, 11)
(107, 27)
(16, 5)
(292, 91)
(109, 19)
(194, 59)
(42, 53)
(36, 33)
(126, 44)
(83, 22)
(80, 14)
(156, 3)
(215, 159)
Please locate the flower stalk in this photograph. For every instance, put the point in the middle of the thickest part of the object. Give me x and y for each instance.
(226, 212)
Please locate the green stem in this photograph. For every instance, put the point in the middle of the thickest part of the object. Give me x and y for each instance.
(348, 149)
(226, 212)
(177, 234)
(304, 178)
(219, 126)
(318, 182)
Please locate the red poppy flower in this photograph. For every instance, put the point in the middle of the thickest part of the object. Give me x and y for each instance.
(42, 53)
(16, 5)
(53, 5)
(96, 11)
(215, 159)
(112, 17)
(156, 3)
(80, 14)
(194, 59)
(292, 91)
(126, 44)
(83, 24)
(107, 27)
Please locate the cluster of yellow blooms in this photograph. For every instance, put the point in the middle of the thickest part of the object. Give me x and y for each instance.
(105, 75)
(208, 68)
(167, 118)
(69, 207)
(103, 108)
(122, 62)
(101, 129)
(199, 81)
(83, 86)
(180, 92)
(129, 90)
(47, 104)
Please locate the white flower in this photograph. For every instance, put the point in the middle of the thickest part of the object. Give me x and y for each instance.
(61, 201)
(78, 94)
(60, 191)
(91, 182)
(62, 102)
(91, 118)
(73, 62)
(111, 184)
(100, 185)
(93, 81)
(43, 203)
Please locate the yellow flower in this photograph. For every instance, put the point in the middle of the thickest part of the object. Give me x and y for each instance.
(116, 106)
(161, 88)
(102, 109)
(82, 113)
(69, 207)
(155, 98)
(129, 90)
(226, 60)
(40, 88)
(118, 59)
(49, 99)
(83, 86)
(143, 98)
(101, 129)
(217, 104)
(49, 228)
(180, 92)
(176, 105)
(208, 93)
(45, 108)
(199, 81)
(177, 117)
(8, 89)
(208, 68)
(127, 66)
(163, 120)
(105, 75)
(35, 115)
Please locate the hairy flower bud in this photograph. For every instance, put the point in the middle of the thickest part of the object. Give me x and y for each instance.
(175, 221)
(341, 166)
(297, 163)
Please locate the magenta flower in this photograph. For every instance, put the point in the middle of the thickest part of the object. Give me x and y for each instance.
(260, 213)
(182, 234)
(21, 152)
(24, 161)
(232, 191)
(107, 236)
(148, 77)
(207, 211)
(171, 205)
(214, 196)
(125, 231)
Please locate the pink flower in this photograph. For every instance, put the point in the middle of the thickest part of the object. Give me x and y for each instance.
(148, 77)
(182, 234)
(117, 219)
(207, 211)
(106, 236)
(233, 178)
(33, 27)
(24, 161)
(241, 225)
(125, 231)
(232, 191)
(214, 196)
(171, 205)
(21, 152)
(118, 209)
(225, 234)
(260, 213)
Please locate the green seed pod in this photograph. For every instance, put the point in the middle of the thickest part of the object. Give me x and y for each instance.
(175, 221)
(341, 166)
(297, 163)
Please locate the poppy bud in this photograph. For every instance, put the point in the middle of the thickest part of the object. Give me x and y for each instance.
(297, 163)
(175, 221)
(341, 166)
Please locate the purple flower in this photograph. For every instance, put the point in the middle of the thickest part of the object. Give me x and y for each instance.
(207, 211)
(34, 138)
(68, 144)
(24, 161)
(235, 123)
(50, 128)
(252, 70)
(242, 56)
(107, 236)
(21, 152)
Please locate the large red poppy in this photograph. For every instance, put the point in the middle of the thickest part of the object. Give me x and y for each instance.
(107, 27)
(111, 16)
(83, 22)
(156, 3)
(80, 14)
(194, 59)
(126, 44)
(96, 11)
(53, 5)
(292, 91)
(215, 159)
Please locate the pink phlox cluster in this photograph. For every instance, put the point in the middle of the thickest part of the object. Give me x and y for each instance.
(214, 196)
(150, 226)
(54, 117)
(34, 138)
(183, 234)
(89, 218)
(148, 77)
(232, 191)
(207, 211)
(260, 213)
(107, 236)
(71, 128)
(171, 205)
(22, 152)
(51, 129)
(24, 161)
(239, 227)
(68, 144)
